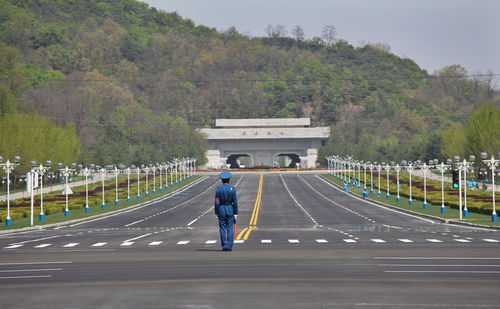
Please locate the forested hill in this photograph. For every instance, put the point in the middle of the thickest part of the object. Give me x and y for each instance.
(132, 82)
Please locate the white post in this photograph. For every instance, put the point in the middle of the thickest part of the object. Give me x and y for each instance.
(425, 185)
(128, 184)
(116, 186)
(378, 169)
(388, 193)
(466, 211)
(410, 168)
(138, 183)
(103, 173)
(398, 168)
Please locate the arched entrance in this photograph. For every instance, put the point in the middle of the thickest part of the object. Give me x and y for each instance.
(286, 160)
(239, 160)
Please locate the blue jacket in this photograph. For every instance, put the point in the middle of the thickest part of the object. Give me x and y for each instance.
(225, 195)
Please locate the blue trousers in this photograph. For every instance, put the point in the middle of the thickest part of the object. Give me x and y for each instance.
(226, 228)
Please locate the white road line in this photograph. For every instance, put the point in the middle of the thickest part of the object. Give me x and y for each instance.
(266, 241)
(294, 241)
(13, 246)
(43, 246)
(461, 240)
(239, 241)
(405, 240)
(444, 271)
(433, 240)
(433, 258)
(389, 209)
(155, 243)
(142, 236)
(298, 204)
(349, 240)
(321, 241)
(378, 240)
(177, 206)
(26, 277)
(490, 240)
(183, 242)
(99, 244)
(34, 263)
(127, 244)
(145, 204)
(210, 242)
(71, 245)
(135, 222)
(29, 270)
(434, 265)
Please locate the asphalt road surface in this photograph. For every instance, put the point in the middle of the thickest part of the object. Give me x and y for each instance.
(302, 243)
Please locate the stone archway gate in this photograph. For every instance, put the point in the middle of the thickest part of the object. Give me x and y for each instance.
(263, 140)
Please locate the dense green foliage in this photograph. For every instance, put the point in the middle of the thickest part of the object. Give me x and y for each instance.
(135, 82)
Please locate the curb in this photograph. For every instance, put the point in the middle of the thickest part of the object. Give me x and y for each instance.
(445, 221)
(41, 227)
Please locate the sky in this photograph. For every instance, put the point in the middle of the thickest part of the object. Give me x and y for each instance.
(434, 33)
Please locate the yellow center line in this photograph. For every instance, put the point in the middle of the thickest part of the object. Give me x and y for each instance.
(255, 214)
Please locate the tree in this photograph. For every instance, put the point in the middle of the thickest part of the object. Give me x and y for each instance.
(298, 33)
(278, 31)
(482, 130)
(329, 34)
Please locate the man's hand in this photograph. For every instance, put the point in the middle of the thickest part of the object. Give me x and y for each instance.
(235, 217)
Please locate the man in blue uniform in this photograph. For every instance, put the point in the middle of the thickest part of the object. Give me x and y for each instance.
(226, 210)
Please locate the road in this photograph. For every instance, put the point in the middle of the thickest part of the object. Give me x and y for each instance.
(302, 243)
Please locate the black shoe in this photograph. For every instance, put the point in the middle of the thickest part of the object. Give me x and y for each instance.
(224, 249)
(229, 249)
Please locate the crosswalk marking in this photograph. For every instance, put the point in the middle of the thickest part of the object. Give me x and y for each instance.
(43, 246)
(99, 244)
(129, 243)
(13, 246)
(433, 240)
(71, 245)
(491, 240)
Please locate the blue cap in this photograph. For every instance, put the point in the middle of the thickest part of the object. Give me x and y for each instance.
(225, 175)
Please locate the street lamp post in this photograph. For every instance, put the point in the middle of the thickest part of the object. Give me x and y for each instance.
(398, 168)
(87, 172)
(138, 183)
(102, 171)
(443, 167)
(66, 172)
(41, 171)
(146, 169)
(32, 188)
(371, 178)
(492, 164)
(127, 171)
(379, 168)
(425, 167)
(153, 167)
(116, 171)
(160, 167)
(175, 164)
(365, 165)
(358, 165)
(388, 168)
(8, 167)
(410, 167)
